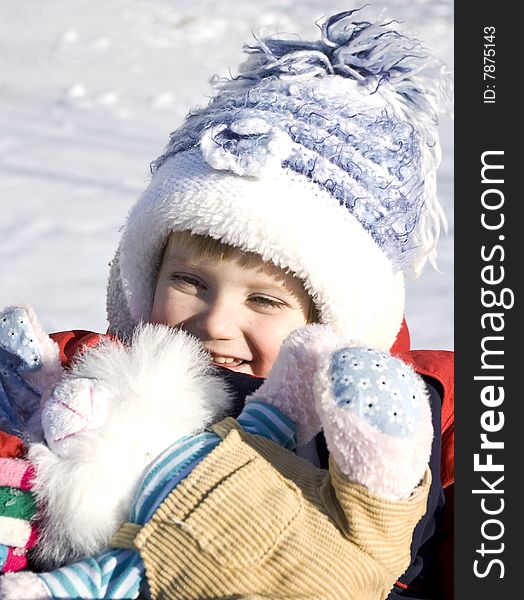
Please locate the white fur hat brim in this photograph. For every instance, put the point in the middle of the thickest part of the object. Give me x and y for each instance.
(283, 217)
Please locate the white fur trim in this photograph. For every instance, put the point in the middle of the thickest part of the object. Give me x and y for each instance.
(156, 391)
(286, 220)
(23, 586)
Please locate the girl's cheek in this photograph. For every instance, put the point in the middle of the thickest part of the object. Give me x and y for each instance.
(165, 307)
(266, 359)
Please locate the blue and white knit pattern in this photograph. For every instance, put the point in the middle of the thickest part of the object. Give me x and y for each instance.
(117, 574)
(359, 111)
(380, 389)
(19, 354)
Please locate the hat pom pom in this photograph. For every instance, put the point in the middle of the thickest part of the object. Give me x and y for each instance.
(374, 53)
(360, 45)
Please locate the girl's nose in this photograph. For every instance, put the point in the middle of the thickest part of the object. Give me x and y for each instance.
(219, 320)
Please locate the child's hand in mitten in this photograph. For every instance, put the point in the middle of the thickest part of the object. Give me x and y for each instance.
(376, 418)
(29, 364)
(289, 386)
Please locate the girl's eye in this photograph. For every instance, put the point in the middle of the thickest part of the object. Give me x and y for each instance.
(267, 302)
(186, 280)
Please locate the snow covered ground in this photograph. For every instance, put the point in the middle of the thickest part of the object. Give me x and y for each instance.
(89, 91)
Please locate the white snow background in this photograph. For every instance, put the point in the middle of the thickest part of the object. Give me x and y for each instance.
(90, 90)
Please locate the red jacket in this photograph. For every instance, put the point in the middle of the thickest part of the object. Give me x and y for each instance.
(439, 364)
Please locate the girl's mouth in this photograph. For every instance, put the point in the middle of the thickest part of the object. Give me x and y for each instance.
(226, 361)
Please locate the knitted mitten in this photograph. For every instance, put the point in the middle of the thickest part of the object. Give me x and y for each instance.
(289, 385)
(29, 364)
(376, 418)
(18, 510)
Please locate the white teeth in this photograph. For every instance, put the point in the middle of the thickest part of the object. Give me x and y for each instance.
(222, 360)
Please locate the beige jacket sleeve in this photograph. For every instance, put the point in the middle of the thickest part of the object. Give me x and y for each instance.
(382, 528)
(253, 520)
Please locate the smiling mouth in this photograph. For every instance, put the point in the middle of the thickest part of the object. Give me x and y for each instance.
(226, 361)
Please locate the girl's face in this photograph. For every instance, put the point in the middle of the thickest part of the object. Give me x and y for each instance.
(241, 314)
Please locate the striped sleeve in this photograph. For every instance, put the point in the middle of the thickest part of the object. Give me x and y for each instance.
(116, 575)
(264, 419)
(167, 471)
(181, 458)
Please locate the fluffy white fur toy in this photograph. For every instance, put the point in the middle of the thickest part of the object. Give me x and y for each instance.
(115, 411)
(118, 408)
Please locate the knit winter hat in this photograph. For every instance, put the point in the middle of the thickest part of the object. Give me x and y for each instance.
(321, 157)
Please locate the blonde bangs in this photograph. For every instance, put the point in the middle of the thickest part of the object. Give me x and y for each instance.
(207, 247)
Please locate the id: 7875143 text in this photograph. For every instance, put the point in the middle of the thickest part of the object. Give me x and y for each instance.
(488, 94)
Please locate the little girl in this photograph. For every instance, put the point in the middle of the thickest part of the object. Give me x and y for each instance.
(320, 160)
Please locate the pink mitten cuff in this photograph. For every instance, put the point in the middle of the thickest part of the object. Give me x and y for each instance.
(289, 386)
(50, 369)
